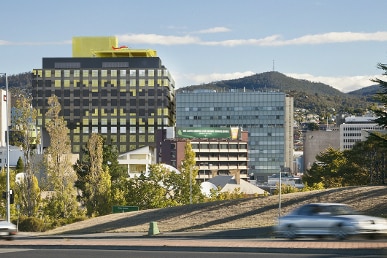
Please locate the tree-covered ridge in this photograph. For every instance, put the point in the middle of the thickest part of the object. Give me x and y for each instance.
(21, 80)
(314, 96)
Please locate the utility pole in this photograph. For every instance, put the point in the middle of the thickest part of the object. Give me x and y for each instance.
(7, 194)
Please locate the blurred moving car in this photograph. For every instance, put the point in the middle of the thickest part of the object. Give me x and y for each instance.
(329, 219)
(7, 230)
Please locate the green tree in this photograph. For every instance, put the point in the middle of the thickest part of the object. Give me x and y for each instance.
(61, 177)
(370, 158)
(187, 188)
(24, 121)
(326, 169)
(12, 185)
(19, 165)
(151, 191)
(97, 185)
(382, 98)
(110, 159)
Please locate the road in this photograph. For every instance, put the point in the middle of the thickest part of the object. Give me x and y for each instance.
(184, 245)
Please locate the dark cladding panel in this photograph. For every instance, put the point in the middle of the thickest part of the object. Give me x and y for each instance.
(101, 63)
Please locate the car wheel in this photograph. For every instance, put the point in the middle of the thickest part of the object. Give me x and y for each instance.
(339, 232)
(290, 232)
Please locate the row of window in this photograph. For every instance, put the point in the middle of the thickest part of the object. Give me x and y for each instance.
(95, 73)
(122, 148)
(219, 146)
(236, 117)
(255, 125)
(359, 128)
(351, 140)
(243, 108)
(112, 83)
(352, 134)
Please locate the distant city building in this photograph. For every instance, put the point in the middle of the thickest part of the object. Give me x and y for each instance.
(351, 130)
(123, 94)
(267, 116)
(316, 142)
(218, 151)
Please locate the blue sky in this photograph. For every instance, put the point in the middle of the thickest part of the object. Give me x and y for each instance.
(338, 42)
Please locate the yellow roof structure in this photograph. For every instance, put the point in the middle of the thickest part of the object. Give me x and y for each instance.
(106, 47)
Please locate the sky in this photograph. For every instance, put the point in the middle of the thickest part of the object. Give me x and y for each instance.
(337, 42)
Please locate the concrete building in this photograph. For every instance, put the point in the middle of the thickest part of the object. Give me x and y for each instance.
(316, 142)
(123, 94)
(267, 116)
(351, 130)
(138, 161)
(217, 151)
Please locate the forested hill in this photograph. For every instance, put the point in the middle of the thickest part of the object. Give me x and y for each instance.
(317, 97)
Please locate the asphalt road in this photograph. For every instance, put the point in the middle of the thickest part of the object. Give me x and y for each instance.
(186, 245)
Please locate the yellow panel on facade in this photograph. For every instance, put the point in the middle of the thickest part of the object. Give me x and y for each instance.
(76, 138)
(47, 73)
(151, 121)
(57, 83)
(76, 148)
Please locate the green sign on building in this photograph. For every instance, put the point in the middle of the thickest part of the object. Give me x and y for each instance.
(205, 132)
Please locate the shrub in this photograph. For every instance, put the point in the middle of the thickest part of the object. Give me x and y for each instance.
(30, 224)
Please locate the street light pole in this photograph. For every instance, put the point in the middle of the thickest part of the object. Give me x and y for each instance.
(7, 139)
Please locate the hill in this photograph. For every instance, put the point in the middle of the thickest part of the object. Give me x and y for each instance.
(314, 96)
(258, 212)
(367, 92)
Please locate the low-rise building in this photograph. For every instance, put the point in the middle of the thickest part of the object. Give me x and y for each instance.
(218, 150)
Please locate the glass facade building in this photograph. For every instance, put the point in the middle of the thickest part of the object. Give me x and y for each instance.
(123, 98)
(267, 116)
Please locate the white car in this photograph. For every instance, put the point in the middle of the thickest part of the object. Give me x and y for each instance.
(328, 219)
(7, 230)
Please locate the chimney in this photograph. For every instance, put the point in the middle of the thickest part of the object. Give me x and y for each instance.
(237, 175)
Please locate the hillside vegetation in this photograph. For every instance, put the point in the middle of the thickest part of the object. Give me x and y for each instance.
(257, 212)
(314, 96)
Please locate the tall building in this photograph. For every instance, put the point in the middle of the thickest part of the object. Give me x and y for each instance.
(267, 116)
(123, 94)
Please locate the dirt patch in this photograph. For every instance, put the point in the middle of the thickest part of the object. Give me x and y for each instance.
(231, 214)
